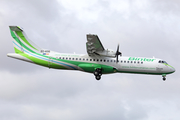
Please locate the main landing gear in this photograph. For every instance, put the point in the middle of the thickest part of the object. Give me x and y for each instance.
(98, 73)
(164, 77)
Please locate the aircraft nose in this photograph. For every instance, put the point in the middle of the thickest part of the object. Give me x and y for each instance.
(172, 69)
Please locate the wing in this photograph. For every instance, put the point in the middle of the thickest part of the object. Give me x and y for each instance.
(93, 45)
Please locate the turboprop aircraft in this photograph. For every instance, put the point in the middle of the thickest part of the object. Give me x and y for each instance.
(98, 60)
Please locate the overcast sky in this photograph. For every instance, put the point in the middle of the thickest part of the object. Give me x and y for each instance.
(143, 28)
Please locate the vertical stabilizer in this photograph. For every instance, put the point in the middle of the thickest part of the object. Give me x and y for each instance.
(21, 42)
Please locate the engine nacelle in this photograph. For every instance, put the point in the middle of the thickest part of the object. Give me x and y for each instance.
(107, 53)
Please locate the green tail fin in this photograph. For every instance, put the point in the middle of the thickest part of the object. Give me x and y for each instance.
(21, 42)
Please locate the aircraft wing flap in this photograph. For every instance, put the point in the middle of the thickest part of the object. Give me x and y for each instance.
(93, 44)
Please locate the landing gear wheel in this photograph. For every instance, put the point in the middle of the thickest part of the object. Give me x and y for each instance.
(96, 73)
(164, 76)
(98, 77)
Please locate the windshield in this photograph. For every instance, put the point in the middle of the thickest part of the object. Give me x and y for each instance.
(161, 61)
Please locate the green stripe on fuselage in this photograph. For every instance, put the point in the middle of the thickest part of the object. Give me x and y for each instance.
(40, 61)
(168, 65)
(53, 65)
(143, 72)
(90, 67)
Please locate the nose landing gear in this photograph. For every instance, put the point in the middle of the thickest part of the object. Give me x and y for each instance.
(98, 73)
(164, 76)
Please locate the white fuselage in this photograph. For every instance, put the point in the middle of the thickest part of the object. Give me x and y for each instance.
(139, 65)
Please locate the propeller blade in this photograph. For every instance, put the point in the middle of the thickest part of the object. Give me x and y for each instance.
(116, 58)
(117, 53)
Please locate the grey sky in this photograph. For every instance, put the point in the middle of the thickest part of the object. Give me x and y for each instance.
(142, 28)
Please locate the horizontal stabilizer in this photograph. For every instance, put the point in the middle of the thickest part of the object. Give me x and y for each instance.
(15, 28)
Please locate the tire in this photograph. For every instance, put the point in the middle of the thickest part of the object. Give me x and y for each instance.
(100, 73)
(98, 77)
(164, 78)
(96, 73)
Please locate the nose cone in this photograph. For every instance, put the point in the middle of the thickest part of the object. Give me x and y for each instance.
(172, 69)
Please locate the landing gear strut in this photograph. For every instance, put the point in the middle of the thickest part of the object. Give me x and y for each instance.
(164, 77)
(98, 73)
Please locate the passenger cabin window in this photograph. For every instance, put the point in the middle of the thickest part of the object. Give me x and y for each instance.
(76, 58)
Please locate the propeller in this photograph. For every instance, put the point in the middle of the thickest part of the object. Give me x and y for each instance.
(117, 53)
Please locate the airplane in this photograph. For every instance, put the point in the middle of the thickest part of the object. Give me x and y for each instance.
(97, 61)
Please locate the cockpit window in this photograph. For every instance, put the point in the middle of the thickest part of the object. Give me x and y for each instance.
(163, 62)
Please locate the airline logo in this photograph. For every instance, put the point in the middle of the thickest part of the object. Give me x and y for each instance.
(45, 53)
(141, 59)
